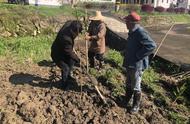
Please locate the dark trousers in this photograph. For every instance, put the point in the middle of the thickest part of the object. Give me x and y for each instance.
(92, 56)
(66, 67)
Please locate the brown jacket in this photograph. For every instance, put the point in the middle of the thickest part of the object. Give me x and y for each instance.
(97, 44)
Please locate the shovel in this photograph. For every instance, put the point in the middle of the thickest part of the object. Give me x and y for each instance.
(95, 82)
(106, 102)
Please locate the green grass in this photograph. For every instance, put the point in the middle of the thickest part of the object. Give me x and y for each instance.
(112, 75)
(42, 10)
(150, 76)
(177, 118)
(177, 18)
(27, 48)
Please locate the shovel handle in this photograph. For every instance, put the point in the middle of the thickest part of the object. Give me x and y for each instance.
(101, 96)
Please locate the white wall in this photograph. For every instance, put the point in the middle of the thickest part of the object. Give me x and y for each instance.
(174, 2)
(163, 3)
(60, 2)
(48, 2)
(98, 1)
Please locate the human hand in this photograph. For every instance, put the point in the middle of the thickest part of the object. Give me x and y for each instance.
(87, 37)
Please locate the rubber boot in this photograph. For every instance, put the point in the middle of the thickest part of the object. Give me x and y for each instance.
(136, 102)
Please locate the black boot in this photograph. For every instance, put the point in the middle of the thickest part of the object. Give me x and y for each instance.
(64, 80)
(136, 102)
(101, 64)
(128, 96)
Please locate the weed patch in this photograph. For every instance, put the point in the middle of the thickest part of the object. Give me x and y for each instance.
(177, 118)
(114, 57)
(27, 48)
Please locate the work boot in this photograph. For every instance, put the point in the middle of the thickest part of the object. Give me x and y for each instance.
(136, 102)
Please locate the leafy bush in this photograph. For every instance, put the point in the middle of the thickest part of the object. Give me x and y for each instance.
(132, 7)
(187, 91)
(104, 6)
(147, 8)
(177, 118)
(179, 91)
(180, 10)
(170, 10)
(115, 57)
(88, 6)
(110, 77)
(114, 80)
(159, 9)
(150, 76)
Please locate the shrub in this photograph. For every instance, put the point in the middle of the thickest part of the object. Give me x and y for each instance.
(170, 10)
(150, 76)
(88, 6)
(115, 57)
(180, 10)
(132, 7)
(159, 9)
(104, 6)
(189, 11)
(147, 8)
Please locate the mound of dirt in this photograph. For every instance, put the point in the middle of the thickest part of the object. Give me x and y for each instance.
(28, 94)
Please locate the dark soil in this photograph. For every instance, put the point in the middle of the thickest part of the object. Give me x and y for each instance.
(28, 94)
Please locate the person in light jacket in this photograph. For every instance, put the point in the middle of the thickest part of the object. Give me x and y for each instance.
(139, 46)
(96, 37)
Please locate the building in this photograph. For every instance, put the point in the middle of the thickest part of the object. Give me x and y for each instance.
(184, 4)
(60, 2)
(47, 2)
(154, 3)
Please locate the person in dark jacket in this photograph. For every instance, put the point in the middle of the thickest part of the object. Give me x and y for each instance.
(62, 48)
(139, 46)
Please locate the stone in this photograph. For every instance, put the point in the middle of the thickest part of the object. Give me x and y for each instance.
(22, 97)
(75, 112)
(6, 34)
